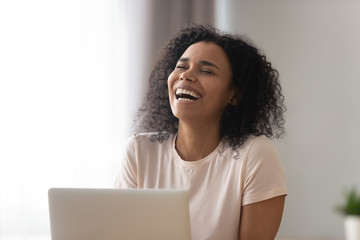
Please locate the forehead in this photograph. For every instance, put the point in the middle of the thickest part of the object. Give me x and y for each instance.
(207, 51)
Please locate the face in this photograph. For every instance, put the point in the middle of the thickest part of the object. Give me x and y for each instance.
(200, 86)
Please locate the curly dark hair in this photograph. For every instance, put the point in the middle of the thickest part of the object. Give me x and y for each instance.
(260, 110)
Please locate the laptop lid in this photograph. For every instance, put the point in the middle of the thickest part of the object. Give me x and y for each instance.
(109, 214)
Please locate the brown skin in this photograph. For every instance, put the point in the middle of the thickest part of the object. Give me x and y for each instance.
(261, 220)
(205, 69)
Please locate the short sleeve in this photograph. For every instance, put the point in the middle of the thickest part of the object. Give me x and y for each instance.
(126, 177)
(264, 176)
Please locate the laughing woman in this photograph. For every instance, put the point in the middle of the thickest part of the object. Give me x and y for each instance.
(212, 106)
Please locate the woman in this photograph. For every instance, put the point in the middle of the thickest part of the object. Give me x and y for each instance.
(212, 105)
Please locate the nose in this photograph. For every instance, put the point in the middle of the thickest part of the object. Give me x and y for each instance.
(187, 75)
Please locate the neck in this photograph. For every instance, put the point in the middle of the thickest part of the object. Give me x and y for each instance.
(196, 142)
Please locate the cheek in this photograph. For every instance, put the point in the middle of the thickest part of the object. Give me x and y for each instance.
(170, 81)
(171, 78)
(221, 94)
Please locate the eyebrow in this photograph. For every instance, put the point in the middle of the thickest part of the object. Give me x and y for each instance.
(203, 62)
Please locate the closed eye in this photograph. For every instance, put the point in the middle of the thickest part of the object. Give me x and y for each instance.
(206, 71)
(181, 66)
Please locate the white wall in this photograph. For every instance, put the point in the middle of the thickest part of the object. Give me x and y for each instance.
(63, 92)
(315, 45)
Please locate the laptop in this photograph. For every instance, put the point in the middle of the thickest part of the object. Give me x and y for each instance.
(121, 214)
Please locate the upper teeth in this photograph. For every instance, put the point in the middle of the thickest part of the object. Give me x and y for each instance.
(185, 91)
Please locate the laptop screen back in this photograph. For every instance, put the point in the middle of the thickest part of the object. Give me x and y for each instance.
(109, 214)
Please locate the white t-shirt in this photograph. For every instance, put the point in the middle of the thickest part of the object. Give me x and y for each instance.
(218, 185)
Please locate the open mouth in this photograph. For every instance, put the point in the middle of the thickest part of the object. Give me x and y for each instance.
(186, 95)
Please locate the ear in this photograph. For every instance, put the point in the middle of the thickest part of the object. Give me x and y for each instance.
(235, 100)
